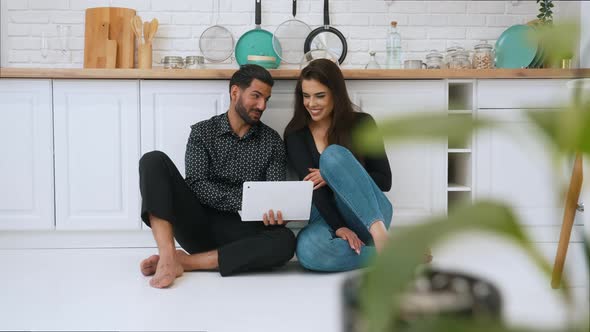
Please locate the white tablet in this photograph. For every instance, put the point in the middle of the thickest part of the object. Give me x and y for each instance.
(292, 198)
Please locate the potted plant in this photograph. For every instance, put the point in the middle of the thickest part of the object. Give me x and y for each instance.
(382, 290)
(545, 11)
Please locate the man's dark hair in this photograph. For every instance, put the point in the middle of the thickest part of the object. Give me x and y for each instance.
(244, 76)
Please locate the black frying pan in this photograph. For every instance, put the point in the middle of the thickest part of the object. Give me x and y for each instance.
(327, 37)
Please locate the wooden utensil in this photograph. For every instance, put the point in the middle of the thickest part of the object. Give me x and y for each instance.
(137, 26)
(146, 31)
(153, 29)
(136, 33)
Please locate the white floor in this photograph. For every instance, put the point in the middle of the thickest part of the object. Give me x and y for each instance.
(102, 289)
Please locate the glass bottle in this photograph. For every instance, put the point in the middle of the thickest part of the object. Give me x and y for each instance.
(393, 48)
(372, 62)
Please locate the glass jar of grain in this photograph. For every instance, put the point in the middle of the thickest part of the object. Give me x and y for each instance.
(484, 56)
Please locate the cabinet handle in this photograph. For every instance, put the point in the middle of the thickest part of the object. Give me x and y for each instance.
(580, 207)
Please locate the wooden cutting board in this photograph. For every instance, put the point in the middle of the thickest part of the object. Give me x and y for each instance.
(108, 23)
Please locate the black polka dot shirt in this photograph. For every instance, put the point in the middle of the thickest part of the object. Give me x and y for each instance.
(218, 162)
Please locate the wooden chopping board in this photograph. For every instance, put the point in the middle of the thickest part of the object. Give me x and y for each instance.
(109, 23)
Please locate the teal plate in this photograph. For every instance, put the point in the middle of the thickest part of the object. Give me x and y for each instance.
(516, 47)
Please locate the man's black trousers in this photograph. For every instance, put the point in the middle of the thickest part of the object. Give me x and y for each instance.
(242, 246)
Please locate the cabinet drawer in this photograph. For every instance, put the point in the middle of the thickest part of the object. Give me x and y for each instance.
(522, 93)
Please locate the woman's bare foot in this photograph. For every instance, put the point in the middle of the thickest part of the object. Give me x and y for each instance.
(379, 234)
(148, 265)
(167, 270)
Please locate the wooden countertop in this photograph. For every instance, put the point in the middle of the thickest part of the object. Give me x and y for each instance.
(354, 74)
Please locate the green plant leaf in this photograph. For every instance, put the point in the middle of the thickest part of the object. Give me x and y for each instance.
(568, 130)
(394, 268)
(562, 37)
(422, 127)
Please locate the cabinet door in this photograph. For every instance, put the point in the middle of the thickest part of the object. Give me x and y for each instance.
(96, 154)
(26, 165)
(522, 94)
(418, 169)
(513, 164)
(169, 108)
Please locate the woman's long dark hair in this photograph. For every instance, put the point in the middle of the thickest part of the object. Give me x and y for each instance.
(327, 73)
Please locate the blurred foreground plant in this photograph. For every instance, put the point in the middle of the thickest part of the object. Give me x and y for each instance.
(388, 278)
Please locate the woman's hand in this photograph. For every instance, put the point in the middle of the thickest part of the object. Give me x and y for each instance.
(315, 176)
(350, 236)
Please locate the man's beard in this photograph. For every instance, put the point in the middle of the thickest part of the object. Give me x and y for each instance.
(243, 113)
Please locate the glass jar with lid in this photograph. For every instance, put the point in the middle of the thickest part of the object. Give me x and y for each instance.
(483, 58)
(194, 62)
(434, 60)
(173, 62)
(460, 60)
(449, 52)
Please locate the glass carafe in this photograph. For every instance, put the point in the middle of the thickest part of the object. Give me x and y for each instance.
(372, 62)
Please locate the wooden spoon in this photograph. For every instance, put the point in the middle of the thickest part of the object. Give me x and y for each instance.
(146, 32)
(132, 22)
(153, 29)
(137, 26)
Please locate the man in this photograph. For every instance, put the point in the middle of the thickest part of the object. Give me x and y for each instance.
(200, 212)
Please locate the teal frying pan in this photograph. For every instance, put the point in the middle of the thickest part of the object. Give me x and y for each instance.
(257, 42)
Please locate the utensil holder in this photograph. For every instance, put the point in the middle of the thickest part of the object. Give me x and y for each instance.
(144, 56)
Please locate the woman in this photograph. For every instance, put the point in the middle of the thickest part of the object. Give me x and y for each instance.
(349, 208)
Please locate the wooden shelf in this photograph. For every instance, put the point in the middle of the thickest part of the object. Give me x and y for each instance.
(226, 73)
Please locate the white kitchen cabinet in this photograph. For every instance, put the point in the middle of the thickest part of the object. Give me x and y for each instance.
(522, 94)
(419, 173)
(96, 154)
(26, 164)
(279, 110)
(513, 164)
(170, 108)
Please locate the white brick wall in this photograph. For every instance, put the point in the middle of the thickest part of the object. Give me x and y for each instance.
(423, 24)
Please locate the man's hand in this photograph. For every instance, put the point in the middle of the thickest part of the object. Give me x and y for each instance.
(350, 236)
(315, 176)
(269, 218)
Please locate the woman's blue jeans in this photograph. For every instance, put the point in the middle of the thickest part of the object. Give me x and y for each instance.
(360, 202)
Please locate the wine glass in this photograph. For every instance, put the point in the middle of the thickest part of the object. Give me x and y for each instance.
(44, 45)
(63, 34)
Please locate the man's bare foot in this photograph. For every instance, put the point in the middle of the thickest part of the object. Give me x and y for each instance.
(167, 270)
(181, 258)
(148, 265)
(379, 234)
